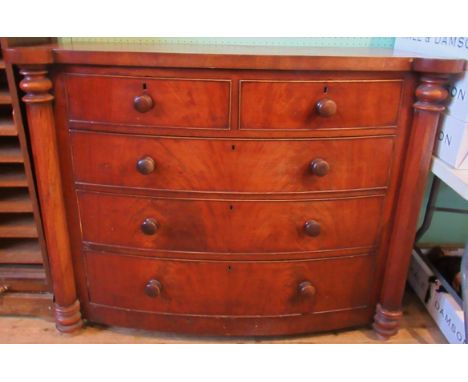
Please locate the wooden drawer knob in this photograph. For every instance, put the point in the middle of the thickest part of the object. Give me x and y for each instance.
(146, 165)
(143, 103)
(153, 288)
(319, 167)
(149, 226)
(306, 289)
(325, 107)
(312, 228)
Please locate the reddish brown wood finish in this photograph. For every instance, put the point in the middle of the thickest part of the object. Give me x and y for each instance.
(326, 107)
(41, 119)
(297, 105)
(430, 94)
(273, 288)
(229, 325)
(23, 258)
(231, 57)
(183, 102)
(229, 212)
(227, 165)
(232, 226)
(27, 304)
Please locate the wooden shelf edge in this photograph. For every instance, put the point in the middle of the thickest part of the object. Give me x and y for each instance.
(8, 128)
(19, 233)
(24, 278)
(18, 227)
(5, 97)
(33, 272)
(20, 258)
(11, 153)
(15, 202)
(20, 251)
(12, 176)
(27, 304)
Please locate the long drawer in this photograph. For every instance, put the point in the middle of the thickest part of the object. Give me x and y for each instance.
(229, 288)
(237, 226)
(161, 102)
(229, 165)
(307, 105)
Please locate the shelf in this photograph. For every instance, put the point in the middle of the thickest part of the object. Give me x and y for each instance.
(17, 225)
(455, 179)
(7, 127)
(15, 200)
(5, 97)
(12, 175)
(23, 272)
(20, 251)
(24, 278)
(10, 152)
(29, 304)
(21, 255)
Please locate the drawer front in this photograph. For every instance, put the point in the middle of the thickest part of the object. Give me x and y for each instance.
(229, 288)
(182, 103)
(316, 105)
(229, 226)
(282, 166)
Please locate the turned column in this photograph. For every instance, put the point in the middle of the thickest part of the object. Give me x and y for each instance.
(430, 94)
(40, 114)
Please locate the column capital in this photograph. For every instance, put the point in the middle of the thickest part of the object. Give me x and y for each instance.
(432, 93)
(36, 84)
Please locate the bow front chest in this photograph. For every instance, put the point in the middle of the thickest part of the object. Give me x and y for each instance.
(242, 191)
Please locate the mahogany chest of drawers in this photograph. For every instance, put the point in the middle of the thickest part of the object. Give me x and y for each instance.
(236, 192)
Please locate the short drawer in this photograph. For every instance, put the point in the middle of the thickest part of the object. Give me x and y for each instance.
(256, 166)
(236, 226)
(304, 105)
(229, 288)
(158, 102)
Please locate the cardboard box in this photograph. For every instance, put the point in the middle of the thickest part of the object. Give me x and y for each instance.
(442, 307)
(457, 106)
(444, 47)
(449, 47)
(452, 142)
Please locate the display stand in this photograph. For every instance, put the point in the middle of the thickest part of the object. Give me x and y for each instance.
(458, 181)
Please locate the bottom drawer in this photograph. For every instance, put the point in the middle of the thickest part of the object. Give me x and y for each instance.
(232, 288)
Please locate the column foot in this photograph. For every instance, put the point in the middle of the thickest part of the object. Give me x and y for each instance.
(68, 318)
(386, 322)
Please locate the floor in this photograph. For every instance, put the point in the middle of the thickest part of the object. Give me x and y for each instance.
(417, 327)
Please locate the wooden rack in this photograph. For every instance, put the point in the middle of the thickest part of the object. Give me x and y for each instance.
(24, 281)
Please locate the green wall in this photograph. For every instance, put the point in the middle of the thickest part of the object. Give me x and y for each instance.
(382, 42)
(447, 228)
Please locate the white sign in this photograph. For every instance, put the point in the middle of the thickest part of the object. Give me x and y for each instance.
(444, 47)
(458, 102)
(442, 307)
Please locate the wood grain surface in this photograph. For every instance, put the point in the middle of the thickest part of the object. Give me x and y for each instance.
(232, 166)
(293, 105)
(229, 225)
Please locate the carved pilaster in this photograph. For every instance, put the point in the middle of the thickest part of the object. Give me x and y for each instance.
(41, 124)
(430, 95)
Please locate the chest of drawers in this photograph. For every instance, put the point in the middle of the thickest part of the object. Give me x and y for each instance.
(242, 192)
